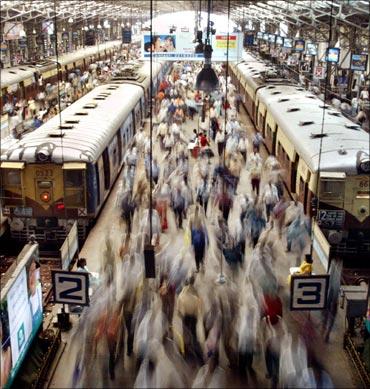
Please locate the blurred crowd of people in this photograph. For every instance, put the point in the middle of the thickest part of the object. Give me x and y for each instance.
(224, 235)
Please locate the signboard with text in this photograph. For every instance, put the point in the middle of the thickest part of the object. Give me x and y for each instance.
(308, 293)
(180, 47)
(331, 218)
(70, 287)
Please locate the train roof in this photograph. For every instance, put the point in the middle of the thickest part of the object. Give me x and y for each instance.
(254, 71)
(83, 141)
(300, 113)
(15, 75)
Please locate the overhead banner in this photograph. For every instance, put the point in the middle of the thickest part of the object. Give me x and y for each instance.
(181, 46)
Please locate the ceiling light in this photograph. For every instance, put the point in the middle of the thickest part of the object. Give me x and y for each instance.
(122, 24)
(33, 31)
(22, 33)
(86, 28)
(99, 26)
(207, 79)
(64, 29)
(128, 24)
(91, 26)
(70, 20)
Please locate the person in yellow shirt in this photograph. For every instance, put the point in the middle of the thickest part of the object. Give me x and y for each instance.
(304, 270)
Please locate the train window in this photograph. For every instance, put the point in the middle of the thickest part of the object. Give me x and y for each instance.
(73, 178)
(12, 177)
(331, 189)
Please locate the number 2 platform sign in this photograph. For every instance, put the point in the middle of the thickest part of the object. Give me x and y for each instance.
(308, 293)
(70, 287)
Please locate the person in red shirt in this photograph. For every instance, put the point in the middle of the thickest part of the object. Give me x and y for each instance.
(203, 140)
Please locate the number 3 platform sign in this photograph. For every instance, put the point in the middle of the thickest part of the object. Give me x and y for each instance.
(308, 293)
(70, 287)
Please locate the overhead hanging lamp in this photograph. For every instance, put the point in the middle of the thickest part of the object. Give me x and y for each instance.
(207, 80)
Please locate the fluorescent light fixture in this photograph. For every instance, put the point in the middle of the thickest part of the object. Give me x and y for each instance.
(70, 20)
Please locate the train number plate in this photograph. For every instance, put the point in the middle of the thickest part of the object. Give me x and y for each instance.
(23, 211)
(328, 218)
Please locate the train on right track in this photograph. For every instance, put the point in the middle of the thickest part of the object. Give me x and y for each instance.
(325, 155)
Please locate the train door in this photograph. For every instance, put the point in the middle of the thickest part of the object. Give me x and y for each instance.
(106, 167)
(99, 184)
(119, 143)
(293, 175)
(113, 157)
(74, 184)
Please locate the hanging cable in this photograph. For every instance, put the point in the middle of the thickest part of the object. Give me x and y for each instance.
(60, 125)
(151, 128)
(327, 81)
(221, 277)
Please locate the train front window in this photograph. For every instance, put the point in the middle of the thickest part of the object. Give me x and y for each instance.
(74, 188)
(330, 189)
(12, 177)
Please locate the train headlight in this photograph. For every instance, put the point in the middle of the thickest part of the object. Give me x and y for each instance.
(45, 197)
(363, 210)
(365, 166)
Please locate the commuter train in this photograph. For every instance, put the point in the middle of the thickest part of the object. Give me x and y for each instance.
(61, 173)
(22, 80)
(325, 157)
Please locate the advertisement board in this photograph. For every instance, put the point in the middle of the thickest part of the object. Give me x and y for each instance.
(288, 43)
(279, 40)
(299, 45)
(332, 54)
(12, 30)
(311, 49)
(180, 47)
(20, 312)
(359, 62)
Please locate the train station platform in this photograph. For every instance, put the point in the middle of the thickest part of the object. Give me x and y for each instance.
(330, 355)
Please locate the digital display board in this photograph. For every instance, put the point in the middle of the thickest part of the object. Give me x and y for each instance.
(288, 43)
(311, 49)
(359, 62)
(332, 54)
(279, 40)
(299, 45)
(272, 38)
(20, 313)
(180, 47)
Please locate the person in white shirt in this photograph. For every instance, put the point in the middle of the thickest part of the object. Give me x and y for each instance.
(254, 165)
(270, 197)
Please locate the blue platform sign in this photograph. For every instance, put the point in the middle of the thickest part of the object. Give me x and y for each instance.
(70, 287)
(308, 293)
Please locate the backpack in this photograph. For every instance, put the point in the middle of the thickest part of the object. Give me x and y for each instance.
(198, 238)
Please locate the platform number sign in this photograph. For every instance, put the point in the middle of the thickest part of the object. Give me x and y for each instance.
(70, 287)
(308, 292)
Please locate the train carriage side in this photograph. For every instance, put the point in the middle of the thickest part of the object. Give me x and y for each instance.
(343, 184)
(54, 175)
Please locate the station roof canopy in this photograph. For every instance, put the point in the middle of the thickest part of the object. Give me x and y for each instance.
(298, 12)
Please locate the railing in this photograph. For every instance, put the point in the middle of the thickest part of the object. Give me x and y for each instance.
(54, 337)
(355, 358)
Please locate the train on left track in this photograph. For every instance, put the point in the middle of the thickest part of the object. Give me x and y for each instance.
(64, 172)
